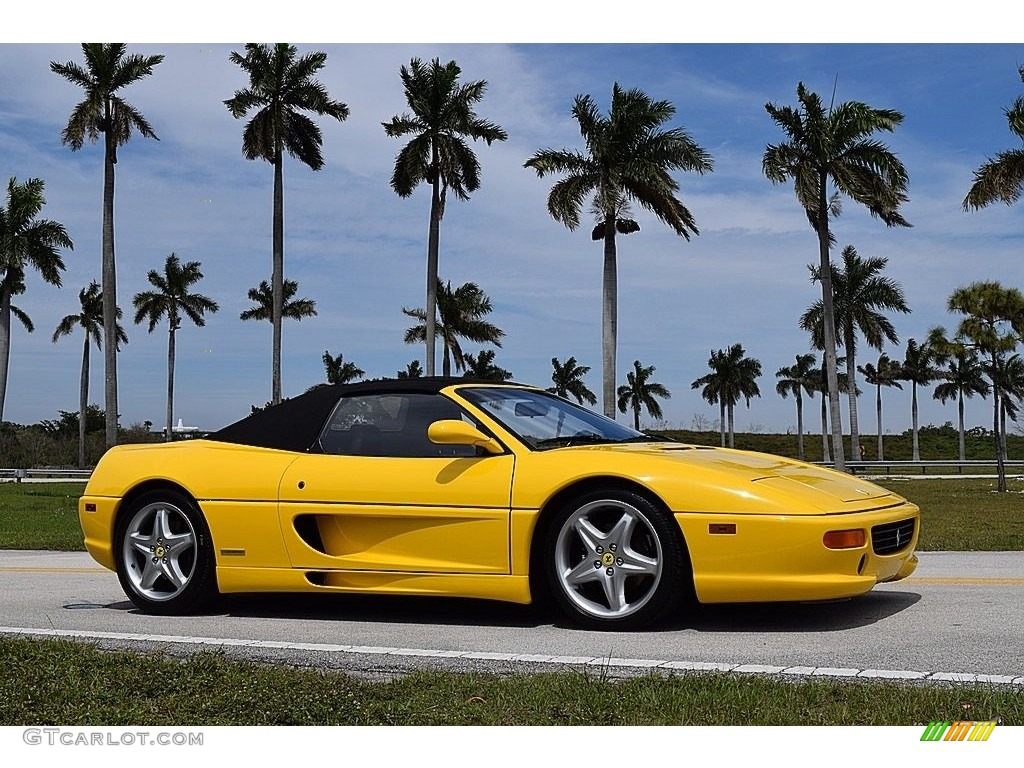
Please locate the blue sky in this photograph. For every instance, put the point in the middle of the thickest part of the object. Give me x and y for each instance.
(359, 250)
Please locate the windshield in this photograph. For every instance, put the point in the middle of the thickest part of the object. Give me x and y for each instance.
(544, 421)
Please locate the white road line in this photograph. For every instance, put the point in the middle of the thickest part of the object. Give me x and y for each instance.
(605, 661)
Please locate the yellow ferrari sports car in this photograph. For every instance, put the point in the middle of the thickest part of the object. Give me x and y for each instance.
(473, 489)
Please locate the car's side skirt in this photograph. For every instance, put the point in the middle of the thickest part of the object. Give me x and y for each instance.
(513, 589)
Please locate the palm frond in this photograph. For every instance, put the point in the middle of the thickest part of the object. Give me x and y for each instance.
(65, 327)
(1000, 179)
(281, 88)
(443, 118)
(23, 318)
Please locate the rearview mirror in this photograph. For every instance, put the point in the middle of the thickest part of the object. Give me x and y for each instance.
(532, 409)
(458, 432)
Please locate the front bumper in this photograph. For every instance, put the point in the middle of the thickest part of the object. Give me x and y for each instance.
(782, 558)
(96, 514)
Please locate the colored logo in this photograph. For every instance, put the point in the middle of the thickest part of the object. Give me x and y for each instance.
(961, 730)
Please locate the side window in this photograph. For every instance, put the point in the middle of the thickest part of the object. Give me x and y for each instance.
(391, 425)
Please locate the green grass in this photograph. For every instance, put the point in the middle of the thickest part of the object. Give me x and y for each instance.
(935, 444)
(40, 516)
(50, 682)
(966, 514)
(960, 514)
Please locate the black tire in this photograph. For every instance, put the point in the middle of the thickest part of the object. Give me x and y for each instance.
(164, 554)
(614, 560)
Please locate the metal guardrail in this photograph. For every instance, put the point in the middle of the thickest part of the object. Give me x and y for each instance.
(951, 465)
(45, 474)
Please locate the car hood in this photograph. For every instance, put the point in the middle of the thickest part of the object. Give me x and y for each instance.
(768, 475)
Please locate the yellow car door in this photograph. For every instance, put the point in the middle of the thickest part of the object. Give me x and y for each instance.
(382, 497)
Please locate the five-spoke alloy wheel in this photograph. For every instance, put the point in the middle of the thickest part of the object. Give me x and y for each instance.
(615, 560)
(164, 556)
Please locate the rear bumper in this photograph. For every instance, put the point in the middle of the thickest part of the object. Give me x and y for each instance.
(782, 558)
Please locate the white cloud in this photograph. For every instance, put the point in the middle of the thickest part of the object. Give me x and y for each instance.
(358, 249)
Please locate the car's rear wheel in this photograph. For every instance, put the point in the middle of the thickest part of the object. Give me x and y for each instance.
(165, 560)
(615, 560)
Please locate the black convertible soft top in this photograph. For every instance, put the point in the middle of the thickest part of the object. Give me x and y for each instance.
(295, 424)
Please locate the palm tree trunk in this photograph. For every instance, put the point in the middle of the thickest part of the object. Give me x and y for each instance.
(109, 286)
(1000, 467)
(170, 380)
(997, 405)
(913, 411)
(960, 413)
(878, 408)
(83, 402)
(800, 425)
(721, 419)
(1002, 432)
(732, 439)
(433, 245)
(446, 361)
(277, 279)
(609, 317)
(830, 325)
(636, 418)
(825, 456)
(851, 373)
(5, 346)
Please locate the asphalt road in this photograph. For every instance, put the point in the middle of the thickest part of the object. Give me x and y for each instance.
(961, 617)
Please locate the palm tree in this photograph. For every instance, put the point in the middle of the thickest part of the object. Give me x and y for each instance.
(568, 381)
(13, 285)
(90, 320)
(482, 367)
(885, 374)
(443, 117)
(340, 372)
(918, 368)
(25, 242)
(992, 322)
(281, 88)
(628, 157)
(461, 312)
(859, 291)
(796, 380)
(412, 371)
(1001, 179)
(291, 307)
(733, 375)
(639, 393)
(964, 376)
(107, 71)
(172, 299)
(835, 146)
(714, 385)
(821, 385)
(1010, 381)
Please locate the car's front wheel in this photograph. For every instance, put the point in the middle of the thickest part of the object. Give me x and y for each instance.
(165, 560)
(615, 560)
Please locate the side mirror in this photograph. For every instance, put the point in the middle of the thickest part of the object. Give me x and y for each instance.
(458, 432)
